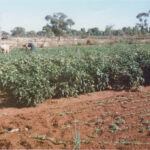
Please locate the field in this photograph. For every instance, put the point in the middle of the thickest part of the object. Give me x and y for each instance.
(107, 104)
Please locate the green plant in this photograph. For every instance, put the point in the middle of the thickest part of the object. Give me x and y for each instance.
(43, 137)
(29, 78)
(61, 114)
(148, 128)
(98, 130)
(42, 45)
(65, 126)
(146, 122)
(141, 130)
(121, 121)
(100, 121)
(77, 139)
(113, 128)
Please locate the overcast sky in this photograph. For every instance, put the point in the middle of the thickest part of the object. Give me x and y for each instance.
(30, 14)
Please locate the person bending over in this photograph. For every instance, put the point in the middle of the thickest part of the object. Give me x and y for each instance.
(30, 46)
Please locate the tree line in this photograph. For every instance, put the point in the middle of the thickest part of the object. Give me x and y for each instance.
(59, 25)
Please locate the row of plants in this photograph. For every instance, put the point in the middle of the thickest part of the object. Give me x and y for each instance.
(62, 72)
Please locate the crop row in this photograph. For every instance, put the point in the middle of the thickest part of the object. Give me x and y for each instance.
(31, 78)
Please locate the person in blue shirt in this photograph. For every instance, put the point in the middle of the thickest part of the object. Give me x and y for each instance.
(30, 46)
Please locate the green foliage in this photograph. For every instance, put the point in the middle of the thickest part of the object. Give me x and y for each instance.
(18, 31)
(121, 121)
(62, 72)
(143, 59)
(113, 128)
(143, 22)
(58, 24)
(124, 71)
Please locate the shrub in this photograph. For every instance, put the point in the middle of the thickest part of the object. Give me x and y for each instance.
(91, 42)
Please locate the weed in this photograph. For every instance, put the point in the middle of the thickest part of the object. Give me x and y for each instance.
(113, 128)
(98, 130)
(86, 141)
(77, 139)
(88, 124)
(147, 122)
(43, 137)
(69, 112)
(92, 136)
(136, 101)
(121, 121)
(61, 114)
(141, 130)
(110, 101)
(65, 126)
(84, 107)
(141, 118)
(3, 131)
(103, 142)
(123, 141)
(97, 107)
(89, 102)
(107, 113)
(100, 121)
(148, 128)
(147, 100)
(89, 141)
(124, 128)
(117, 118)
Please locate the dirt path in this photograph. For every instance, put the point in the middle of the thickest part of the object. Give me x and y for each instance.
(106, 120)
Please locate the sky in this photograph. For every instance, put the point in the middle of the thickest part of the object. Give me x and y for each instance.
(30, 14)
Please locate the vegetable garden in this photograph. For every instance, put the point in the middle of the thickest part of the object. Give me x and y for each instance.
(29, 79)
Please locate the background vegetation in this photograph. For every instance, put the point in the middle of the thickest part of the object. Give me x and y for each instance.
(59, 24)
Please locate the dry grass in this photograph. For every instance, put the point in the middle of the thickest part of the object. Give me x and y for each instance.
(70, 41)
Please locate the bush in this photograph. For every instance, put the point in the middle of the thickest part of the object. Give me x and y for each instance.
(91, 42)
(124, 72)
(143, 59)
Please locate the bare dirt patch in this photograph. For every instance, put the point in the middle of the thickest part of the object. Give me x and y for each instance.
(106, 120)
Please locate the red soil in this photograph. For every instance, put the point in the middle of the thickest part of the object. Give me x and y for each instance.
(94, 114)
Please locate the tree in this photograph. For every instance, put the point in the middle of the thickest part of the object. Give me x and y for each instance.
(31, 34)
(143, 24)
(117, 32)
(41, 33)
(83, 33)
(48, 31)
(94, 31)
(18, 31)
(136, 31)
(108, 30)
(127, 30)
(4, 35)
(70, 23)
(75, 32)
(58, 23)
